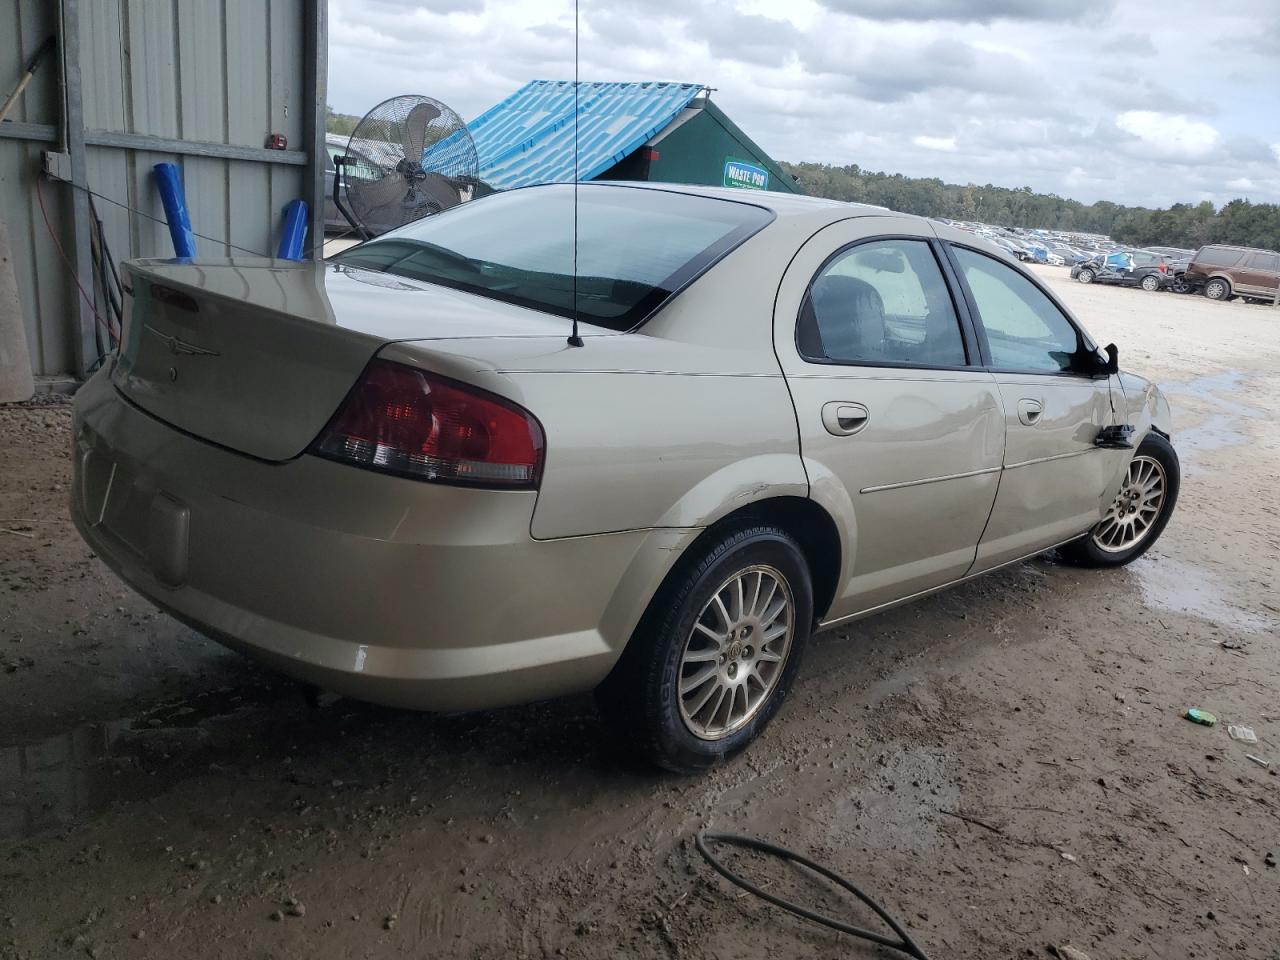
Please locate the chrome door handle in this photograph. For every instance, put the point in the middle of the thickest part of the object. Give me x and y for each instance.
(1029, 411)
(843, 419)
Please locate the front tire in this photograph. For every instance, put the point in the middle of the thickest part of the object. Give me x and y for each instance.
(1217, 289)
(1085, 276)
(1140, 512)
(715, 654)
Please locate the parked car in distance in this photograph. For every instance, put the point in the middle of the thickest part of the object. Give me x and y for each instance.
(1223, 272)
(1173, 253)
(1013, 247)
(1069, 254)
(392, 474)
(1135, 268)
(337, 146)
(1039, 253)
(1175, 275)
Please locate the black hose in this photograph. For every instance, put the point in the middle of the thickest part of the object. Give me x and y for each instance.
(904, 943)
(106, 247)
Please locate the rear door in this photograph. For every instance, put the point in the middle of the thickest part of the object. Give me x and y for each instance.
(1055, 479)
(900, 429)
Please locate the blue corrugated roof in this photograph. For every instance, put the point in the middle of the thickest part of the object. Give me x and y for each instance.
(528, 137)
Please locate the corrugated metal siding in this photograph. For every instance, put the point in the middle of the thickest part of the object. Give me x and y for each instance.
(41, 277)
(528, 137)
(220, 71)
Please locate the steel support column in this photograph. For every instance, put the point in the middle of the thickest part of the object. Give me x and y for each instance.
(315, 74)
(84, 337)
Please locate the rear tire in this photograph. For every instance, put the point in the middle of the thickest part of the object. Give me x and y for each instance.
(698, 639)
(1217, 289)
(1150, 283)
(1127, 531)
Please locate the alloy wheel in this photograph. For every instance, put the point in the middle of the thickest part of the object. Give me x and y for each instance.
(1216, 290)
(1085, 276)
(1149, 283)
(736, 652)
(1136, 508)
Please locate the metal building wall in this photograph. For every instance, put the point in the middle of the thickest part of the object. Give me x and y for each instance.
(42, 282)
(200, 83)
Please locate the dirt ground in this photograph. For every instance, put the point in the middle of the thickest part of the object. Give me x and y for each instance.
(1005, 765)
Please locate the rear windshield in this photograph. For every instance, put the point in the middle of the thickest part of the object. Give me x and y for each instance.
(636, 247)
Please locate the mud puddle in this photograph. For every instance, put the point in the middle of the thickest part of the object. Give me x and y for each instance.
(81, 772)
(1179, 587)
(1225, 426)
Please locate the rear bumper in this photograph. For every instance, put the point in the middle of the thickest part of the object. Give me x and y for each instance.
(389, 590)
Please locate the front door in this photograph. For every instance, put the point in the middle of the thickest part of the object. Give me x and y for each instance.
(900, 430)
(1258, 275)
(1055, 479)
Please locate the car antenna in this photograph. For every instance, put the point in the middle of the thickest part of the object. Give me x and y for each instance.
(574, 339)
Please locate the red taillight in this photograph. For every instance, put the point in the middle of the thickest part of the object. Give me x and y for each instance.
(1164, 268)
(402, 420)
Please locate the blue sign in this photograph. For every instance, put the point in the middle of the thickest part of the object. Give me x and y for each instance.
(740, 174)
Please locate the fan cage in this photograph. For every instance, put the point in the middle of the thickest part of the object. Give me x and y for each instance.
(377, 150)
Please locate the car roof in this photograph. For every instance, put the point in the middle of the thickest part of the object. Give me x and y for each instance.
(780, 204)
(1233, 246)
(818, 210)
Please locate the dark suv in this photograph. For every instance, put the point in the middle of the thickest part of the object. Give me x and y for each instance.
(1223, 272)
(1135, 268)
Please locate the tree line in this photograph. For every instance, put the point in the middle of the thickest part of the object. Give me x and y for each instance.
(341, 123)
(1181, 225)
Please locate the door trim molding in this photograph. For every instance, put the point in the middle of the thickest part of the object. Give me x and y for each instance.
(915, 483)
(1056, 456)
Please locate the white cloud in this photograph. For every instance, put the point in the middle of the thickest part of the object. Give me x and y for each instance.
(945, 144)
(1170, 135)
(1010, 92)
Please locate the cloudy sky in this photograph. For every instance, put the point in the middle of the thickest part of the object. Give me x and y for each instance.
(1131, 101)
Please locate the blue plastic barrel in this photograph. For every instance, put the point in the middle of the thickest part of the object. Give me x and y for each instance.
(294, 233)
(169, 182)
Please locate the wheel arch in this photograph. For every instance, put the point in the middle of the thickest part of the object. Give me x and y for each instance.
(806, 522)
(654, 571)
(1224, 278)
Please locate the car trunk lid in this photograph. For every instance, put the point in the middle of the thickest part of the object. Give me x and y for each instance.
(256, 355)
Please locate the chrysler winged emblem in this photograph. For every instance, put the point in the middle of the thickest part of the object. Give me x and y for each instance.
(181, 347)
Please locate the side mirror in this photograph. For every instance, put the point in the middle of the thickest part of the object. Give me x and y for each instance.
(1113, 360)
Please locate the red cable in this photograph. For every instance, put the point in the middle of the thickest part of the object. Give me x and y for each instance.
(112, 335)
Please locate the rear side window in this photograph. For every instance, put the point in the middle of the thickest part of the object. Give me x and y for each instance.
(1025, 329)
(1217, 257)
(883, 302)
(636, 247)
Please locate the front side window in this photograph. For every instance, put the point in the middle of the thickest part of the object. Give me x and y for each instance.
(1025, 329)
(882, 302)
(635, 248)
(1264, 261)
